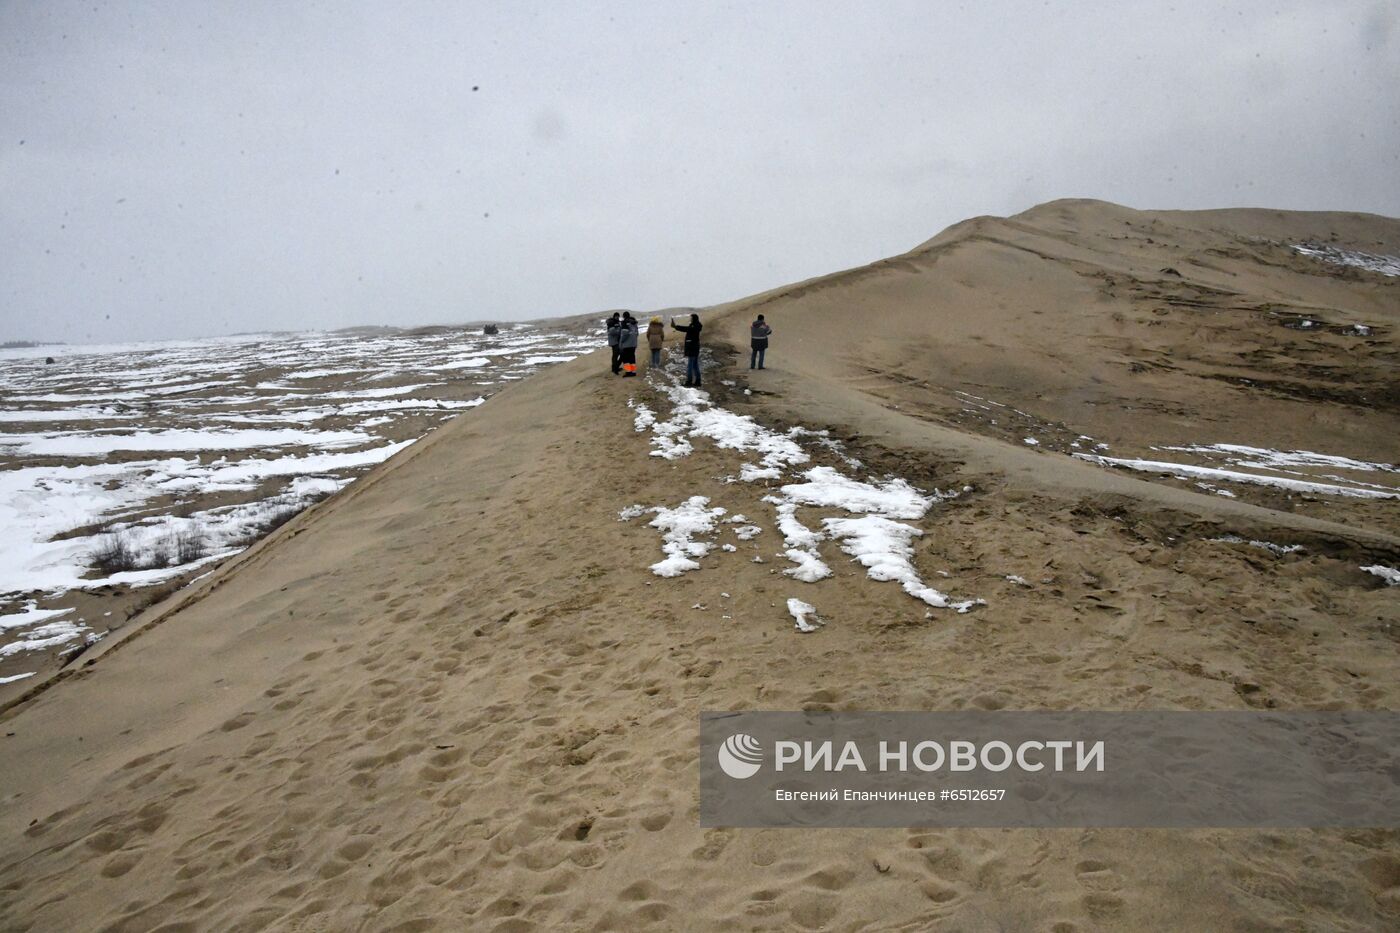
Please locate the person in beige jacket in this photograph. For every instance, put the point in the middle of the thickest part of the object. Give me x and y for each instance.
(656, 336)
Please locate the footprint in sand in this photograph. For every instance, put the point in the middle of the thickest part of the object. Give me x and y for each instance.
(830, 879)
(716, 841)
(815, 912)
(1101, 882)
(819, 701)
(149, 776)
(120, 864)
(237, 722)
(991, 701)
(656, 822)
(1103, 907)
(640, 891)
(941, 893)
(1097, 876)
(259, 745)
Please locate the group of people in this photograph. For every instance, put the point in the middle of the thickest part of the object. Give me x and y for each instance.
(623, 338)
(624, 335)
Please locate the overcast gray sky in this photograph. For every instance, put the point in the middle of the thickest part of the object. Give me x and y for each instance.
(184, 168)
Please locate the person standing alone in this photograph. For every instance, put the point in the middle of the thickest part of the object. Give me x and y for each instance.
(758, 342)
(692, 349)
(627, 342)
(656, 336)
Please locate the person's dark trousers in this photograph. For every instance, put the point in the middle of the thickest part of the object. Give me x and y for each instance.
(616, 360)
(756, 356)
(629, 361)
(692, 370)
(655, 358)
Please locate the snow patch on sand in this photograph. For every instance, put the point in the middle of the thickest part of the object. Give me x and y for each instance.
(645, 416)
(89, 445)
(251, 470)
(809, 566)
(1262, 458)
(795, 534)
(804, 615)
(1279, 549)
(1372, 262)
(1390, 575)
(29, 615)
(877, 541)
(40, 633)
(825, 487)
(694, 415)
(679, 526)
(1189, 471)
(801, 543)
(883, 546)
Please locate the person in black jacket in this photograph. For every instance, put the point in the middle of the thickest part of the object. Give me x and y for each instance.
(758, 342)
(614, 325)
(627, 343)
(692, 349)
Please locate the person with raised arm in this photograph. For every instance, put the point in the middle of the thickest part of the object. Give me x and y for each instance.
(692, 349)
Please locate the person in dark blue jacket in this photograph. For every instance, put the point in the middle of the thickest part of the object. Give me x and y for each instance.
(692, 349)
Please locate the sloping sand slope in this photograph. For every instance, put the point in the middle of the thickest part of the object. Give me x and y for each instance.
(455, 697)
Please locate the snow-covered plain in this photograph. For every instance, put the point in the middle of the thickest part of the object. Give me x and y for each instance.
(207, 441)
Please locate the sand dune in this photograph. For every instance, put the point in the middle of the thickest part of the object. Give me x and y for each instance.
(455, 696)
